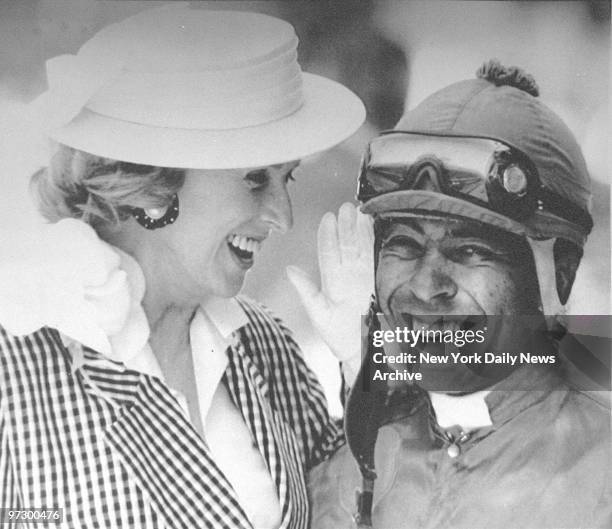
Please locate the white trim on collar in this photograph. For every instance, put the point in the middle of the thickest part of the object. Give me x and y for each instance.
(226, 315)
(467, 411)
(210, 333)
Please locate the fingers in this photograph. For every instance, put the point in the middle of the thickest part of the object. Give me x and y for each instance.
(355, 233)
(329, 251)
(347, 232)
(327, 238)
(343, 243)
(365, 234)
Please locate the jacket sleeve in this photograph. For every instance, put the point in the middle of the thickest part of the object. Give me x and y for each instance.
(321, 434)
(9, 493)
(294, 391)
(10, 496)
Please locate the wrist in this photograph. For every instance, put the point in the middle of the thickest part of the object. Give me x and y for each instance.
(350, 368)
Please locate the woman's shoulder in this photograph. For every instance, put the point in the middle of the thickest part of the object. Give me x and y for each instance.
(15, 346)
(260, 316)
(265, 336)
(30, 357)
(74, 282)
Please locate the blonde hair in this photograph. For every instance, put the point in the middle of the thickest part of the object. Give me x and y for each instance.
(100, 190)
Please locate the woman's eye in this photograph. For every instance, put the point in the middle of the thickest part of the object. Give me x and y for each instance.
(257, 179)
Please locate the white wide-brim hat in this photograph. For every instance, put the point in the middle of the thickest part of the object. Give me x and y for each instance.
(193, 88)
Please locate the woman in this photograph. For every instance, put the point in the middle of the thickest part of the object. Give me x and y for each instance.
(135, 390)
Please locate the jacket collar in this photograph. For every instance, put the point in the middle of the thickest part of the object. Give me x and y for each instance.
(162, 452)
(503, 401)
(523, 388)
(151, 434)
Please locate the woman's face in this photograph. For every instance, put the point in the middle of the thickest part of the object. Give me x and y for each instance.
(224, 218)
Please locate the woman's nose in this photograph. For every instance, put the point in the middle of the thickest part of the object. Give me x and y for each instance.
(276, 209)
(432, 282)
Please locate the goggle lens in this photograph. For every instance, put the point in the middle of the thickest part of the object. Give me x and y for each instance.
(487, 172)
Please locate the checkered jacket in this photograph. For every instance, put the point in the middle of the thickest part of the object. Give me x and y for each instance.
(113, 448)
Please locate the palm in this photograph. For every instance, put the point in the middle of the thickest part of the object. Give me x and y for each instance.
(347, 280)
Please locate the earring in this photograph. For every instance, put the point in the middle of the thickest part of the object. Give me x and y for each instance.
(153, 218)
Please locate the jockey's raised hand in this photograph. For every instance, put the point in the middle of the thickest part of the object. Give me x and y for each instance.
(345, 247)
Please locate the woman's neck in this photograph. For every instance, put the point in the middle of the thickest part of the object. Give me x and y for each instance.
(169, 338)
(160, 310)
(168, 295)
(169, 306)
(170, 299)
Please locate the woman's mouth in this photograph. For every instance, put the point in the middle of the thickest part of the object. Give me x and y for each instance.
(243, 248)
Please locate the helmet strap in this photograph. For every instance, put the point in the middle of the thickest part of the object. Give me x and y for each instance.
(544, 259)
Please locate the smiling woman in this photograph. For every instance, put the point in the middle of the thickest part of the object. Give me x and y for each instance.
(142, 390)
(246, 204)
(230, 213)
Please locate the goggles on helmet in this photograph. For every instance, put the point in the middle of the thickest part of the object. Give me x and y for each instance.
(483, 171)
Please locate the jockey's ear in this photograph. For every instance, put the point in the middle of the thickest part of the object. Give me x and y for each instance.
(567, 258)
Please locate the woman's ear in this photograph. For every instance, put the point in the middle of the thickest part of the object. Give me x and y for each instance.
(567, 258)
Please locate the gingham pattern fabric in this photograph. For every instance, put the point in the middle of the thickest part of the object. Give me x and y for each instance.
(114, 449)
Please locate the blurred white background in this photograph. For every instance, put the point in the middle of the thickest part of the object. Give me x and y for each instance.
(392, 53)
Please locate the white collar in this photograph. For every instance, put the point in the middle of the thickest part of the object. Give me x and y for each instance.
(210, 334)
(226, 315)
(467, 411)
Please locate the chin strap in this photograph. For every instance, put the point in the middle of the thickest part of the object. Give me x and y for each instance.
(361, 422)
(544, 260)
(370, 405)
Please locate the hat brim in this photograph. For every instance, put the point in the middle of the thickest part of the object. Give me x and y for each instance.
(405, 203)
(330, 114)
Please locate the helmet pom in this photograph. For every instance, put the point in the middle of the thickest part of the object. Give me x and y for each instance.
(500, 75)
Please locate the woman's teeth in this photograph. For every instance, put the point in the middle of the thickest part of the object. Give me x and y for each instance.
(243, 246)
